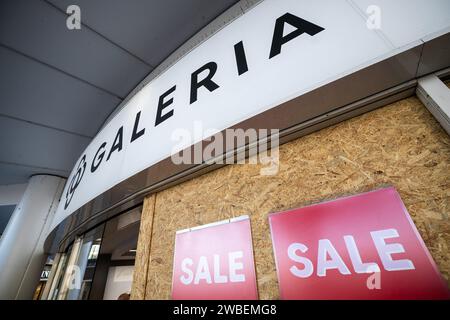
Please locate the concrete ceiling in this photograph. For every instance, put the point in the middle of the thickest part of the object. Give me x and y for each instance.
(57, 86)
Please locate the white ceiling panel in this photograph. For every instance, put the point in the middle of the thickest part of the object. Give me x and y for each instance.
(33, 92)
(23, 143)
(156, 28)
(38, 29)
(13, 173)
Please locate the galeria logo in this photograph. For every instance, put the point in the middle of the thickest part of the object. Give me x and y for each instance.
(75, 181)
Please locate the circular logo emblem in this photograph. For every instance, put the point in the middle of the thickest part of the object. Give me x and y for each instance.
(76, 179)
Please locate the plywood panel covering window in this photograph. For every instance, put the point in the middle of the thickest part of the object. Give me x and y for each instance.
(400, 145)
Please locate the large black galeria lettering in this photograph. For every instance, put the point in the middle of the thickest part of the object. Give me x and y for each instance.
(207, 82)
(302, 26)
(203, 77)
(202, 81)
(117, 144)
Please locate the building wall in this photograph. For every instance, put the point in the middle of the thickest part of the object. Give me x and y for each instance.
(400, 145)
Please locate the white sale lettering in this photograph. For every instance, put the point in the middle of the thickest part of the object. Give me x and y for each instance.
(204, 272)
(328, 258)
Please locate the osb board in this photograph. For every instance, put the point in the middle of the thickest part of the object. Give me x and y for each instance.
(400, 145)
(143, 250)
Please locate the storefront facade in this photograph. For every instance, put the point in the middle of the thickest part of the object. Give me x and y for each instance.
(337, 94)
(356, 156)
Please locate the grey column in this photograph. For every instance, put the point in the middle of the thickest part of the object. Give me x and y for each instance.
(21, 247)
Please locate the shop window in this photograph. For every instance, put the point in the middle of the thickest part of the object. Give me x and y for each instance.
(100, 264)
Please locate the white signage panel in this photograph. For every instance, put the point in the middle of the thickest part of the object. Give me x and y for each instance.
(275, 52)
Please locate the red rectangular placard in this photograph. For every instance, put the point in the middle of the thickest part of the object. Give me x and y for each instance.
(215, 262)
(359, 247)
